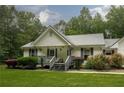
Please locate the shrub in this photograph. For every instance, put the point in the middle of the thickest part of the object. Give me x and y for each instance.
(89, 64)
(27, 62)
(78, 63)
(116, 60)
(98, 62)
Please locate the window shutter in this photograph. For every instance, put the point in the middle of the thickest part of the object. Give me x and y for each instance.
(104, 51)
(82, 52)
(29, 52)
(35, 52)
(113, 51)
(47, 52)
(91, 51)
(32, 52)
(56, 53)
(67, 52)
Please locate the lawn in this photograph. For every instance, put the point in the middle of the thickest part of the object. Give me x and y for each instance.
(34, 78)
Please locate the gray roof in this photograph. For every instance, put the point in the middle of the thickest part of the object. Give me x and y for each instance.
(82, 40)
(110, 42)
(27, 45)
(87, 39)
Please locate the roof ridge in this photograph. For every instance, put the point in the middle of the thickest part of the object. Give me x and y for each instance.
(85, 34)
(111, 38)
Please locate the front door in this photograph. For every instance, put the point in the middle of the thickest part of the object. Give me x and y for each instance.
(52, 52)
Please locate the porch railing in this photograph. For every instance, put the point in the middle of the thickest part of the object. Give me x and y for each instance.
(68, 62)
(52, 62)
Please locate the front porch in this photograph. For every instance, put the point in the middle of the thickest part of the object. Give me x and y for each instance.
(54, 57)
(62, 57)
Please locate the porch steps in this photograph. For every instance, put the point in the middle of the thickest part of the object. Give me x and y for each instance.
(54, 63)
(59, 66)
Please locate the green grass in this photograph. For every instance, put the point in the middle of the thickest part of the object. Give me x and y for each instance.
(33, 78)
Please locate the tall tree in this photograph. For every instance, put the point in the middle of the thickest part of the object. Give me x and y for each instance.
(72, 27)
(29, 25)
(115, 21)
(16, 29)
(81, 24)
(8, 30)
(60, 26)
(85, 20)
(98, 25)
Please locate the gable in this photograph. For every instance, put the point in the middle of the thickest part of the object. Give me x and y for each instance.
(50, 38)
(121, 43)
(118, 44)
(110, 42)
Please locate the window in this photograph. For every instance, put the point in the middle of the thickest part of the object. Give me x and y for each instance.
(85, 52)
(108, 52)
(50, 52)
(32, 52)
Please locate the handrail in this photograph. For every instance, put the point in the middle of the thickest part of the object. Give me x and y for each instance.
(52, 61)
(67, 62)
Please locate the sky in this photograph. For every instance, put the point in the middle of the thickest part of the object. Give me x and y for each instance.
(52, 14)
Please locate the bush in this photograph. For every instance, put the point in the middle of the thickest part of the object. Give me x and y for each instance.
(27, 62)
(98, 62)
(116, 61)
(78, 63)
(11, 62)
(89, 64)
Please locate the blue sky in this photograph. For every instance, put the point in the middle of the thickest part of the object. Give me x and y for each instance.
(51, 14)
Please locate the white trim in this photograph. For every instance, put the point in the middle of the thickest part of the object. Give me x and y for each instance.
(40, 37)
(117, 42)
(55, 32)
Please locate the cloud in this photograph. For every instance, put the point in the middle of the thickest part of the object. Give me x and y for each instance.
(48, 17)
(103, 10)
(31, 8)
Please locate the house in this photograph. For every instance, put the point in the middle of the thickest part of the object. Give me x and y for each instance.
(51, 45)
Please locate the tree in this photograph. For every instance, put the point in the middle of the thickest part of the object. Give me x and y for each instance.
(85, 21)
(98, 25)
(60, 26)
(16, 29)
(30, 27)
(72, 26)
(8, 30)
(81, 24)
(115, 21)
